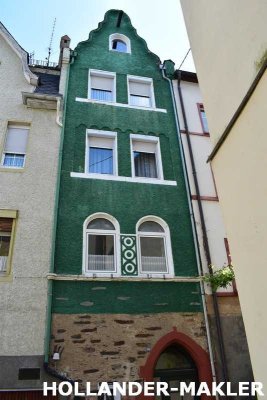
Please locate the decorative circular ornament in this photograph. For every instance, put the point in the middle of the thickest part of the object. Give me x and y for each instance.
(128, 241)
(129, 268)
(129, 254)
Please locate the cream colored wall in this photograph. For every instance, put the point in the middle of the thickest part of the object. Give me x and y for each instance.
(31, 192)
(201, 147)
(240, 168)
(201, 144)
(226, 38)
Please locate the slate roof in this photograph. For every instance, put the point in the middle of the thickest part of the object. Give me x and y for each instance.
(47, 83)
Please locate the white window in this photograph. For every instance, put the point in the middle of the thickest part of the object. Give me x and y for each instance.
(120, 43)
(146, 157)
(14, 153)
(203, 118)
(154, 247)
(7, 229)
(101, 245)
(102, 86)
(140, 92)
(101, 152)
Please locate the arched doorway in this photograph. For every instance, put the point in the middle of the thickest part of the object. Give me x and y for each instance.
(175, 365)
(182, 356)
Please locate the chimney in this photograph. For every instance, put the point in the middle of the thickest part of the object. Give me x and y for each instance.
(64, 43)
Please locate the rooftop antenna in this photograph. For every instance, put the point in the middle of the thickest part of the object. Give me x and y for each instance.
(31, 57)
(50, 43)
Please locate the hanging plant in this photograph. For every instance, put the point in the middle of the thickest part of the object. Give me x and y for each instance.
(220, 278)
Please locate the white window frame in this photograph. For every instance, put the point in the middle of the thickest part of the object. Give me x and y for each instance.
(101, 134)
(147, 139)
(117, 250)
(125, 39)
(167, 245)
(4, 152)
(145, 80)
(5, 273)
(104, 74)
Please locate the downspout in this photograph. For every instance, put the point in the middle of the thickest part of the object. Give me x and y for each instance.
(205, 236)
(199, 266)
(48, 369)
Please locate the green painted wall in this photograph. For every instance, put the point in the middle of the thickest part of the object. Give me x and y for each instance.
(127, 202)
(125, 297)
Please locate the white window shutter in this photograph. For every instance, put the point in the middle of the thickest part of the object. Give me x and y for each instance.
(140, 88)
(146, 147)
(102, 82)
(16, 141)
(102, 142)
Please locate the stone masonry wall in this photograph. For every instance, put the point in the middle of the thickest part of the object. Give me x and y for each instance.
(112, 347)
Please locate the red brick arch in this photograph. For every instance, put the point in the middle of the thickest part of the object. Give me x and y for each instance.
(199, 356)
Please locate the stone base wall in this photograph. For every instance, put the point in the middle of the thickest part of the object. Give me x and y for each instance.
(235, 341)
(105, 347)
(10, 368)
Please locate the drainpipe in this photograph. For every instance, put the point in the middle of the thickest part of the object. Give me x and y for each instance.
(50, 282)
(196, 244)
(205, 236)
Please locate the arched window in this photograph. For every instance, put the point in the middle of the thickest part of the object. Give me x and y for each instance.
(175, 364)
(119, 42)
(101, 244)
(155, 255)
(176, 357)
(119, 45)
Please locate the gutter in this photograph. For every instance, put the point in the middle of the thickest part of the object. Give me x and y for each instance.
(200, 270)
(205, 237)
(53, 239)
(238, 111)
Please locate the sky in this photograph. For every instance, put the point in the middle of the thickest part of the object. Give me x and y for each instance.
(159, 22)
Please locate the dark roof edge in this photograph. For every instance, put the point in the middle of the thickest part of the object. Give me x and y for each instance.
(238, 111)
(14, 39)
(21, 53)
(186, 76)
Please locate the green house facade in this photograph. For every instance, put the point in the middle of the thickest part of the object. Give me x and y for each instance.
(124, 283)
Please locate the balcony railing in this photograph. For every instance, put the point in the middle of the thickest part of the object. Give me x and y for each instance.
(42, 63)
(102, 95)
(140, 101)
(101, 263)
(154, 264)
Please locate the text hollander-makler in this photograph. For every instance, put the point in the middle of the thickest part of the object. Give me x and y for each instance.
(118, 389)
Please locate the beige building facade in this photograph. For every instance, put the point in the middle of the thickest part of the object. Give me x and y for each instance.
(228, 41)
(30, 131)
(214, 247)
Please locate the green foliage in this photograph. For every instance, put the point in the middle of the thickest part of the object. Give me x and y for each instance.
(262, 60)
(220, 278)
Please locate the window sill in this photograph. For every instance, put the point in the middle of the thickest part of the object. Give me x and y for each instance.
(11, 169)
(6, 278)
(110, 103)
(122, 178)
(64, 277)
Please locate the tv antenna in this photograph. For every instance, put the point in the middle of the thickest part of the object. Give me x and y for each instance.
(50, 43)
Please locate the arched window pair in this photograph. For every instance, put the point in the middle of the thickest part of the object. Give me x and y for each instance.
(102, 246)
(119, 42)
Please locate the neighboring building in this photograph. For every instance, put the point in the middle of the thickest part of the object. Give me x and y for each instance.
(127, 302)
(228, 41)
(30, 104)
(212, 238)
